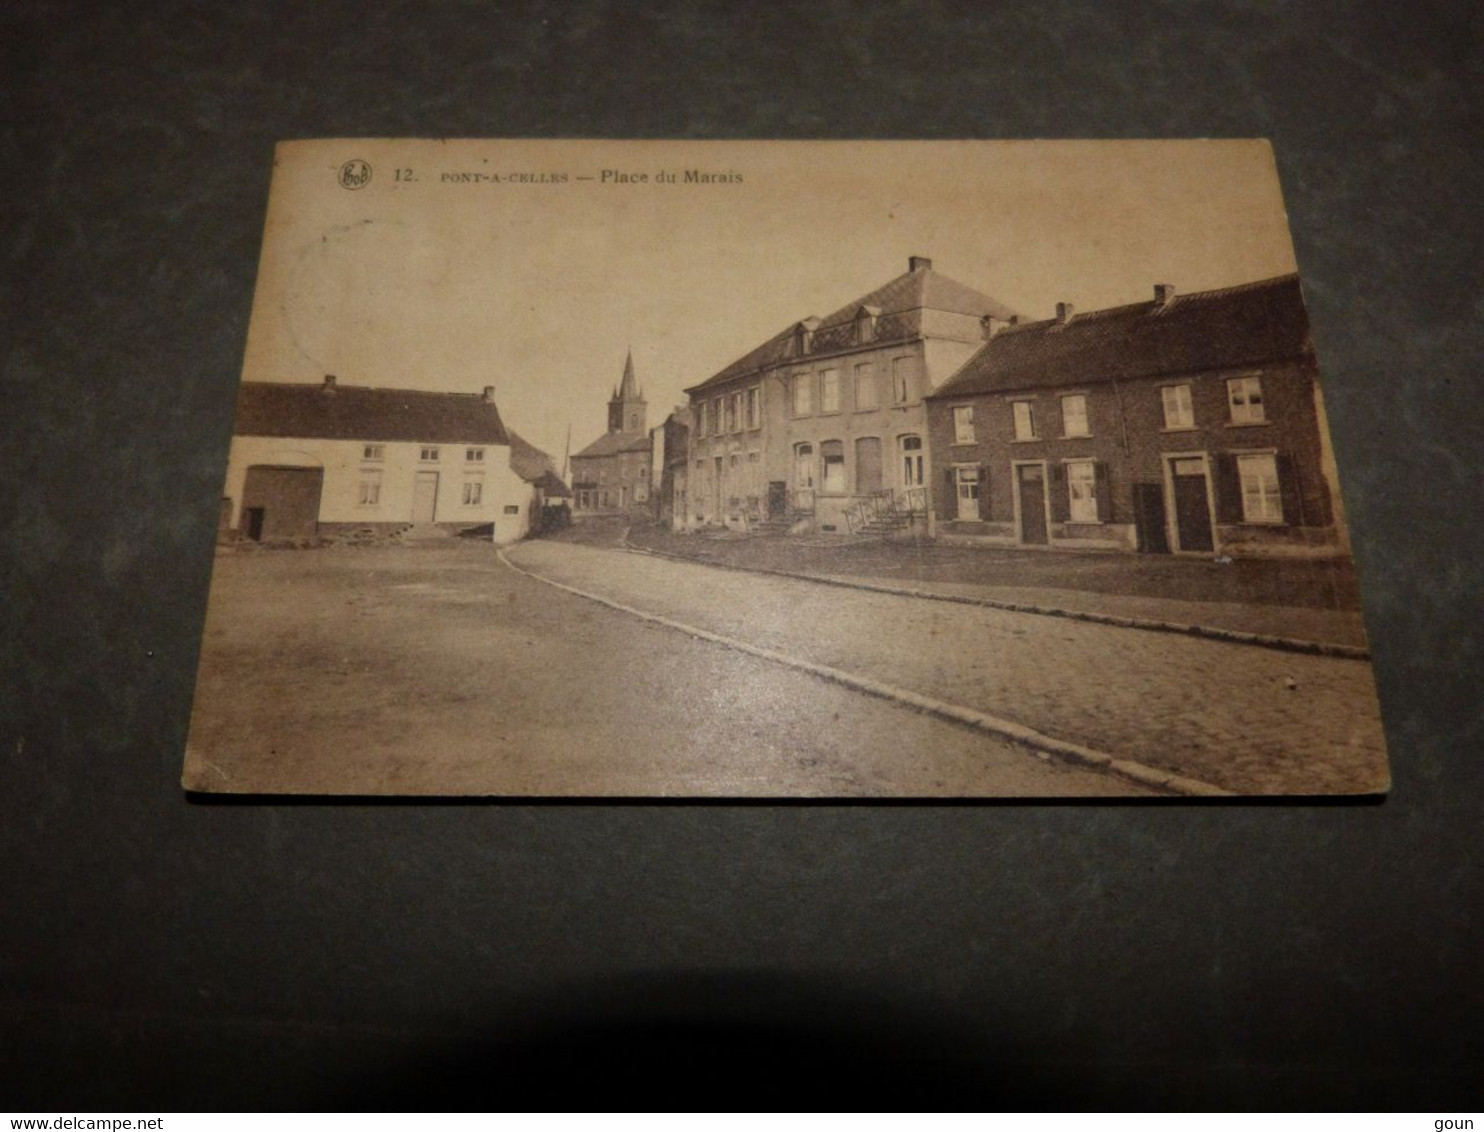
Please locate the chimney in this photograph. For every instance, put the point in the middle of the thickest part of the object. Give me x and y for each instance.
(919, 263)
(489, 394)
(329, 383)
(1063, 312)
(1164, 294)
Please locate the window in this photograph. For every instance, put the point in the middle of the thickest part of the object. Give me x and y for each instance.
(373, 452)
(730, 404)
(803, 394)
(633, 422)
(1025, 420)
(966, 492)
(753, 457)
(803, 465)
(903, 387)
(737, 412)
(829, 391)
(1082, 490)
(473, 491)
(369, 494)
(755, 407)
(474, 455)
(1178, 413)
(718, 419)
(832, 454)
(702, 428)
(963, 424)
(1261, 502)
(1244, 394)
(736, 460)
(429, 454)
(1074, 415)
(911, 461)
(865, 386)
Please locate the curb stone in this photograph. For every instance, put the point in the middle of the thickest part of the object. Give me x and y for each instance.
(1229, 636)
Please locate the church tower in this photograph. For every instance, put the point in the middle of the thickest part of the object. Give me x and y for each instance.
(627, 409)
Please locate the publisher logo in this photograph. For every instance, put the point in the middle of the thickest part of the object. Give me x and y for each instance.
(355, 174)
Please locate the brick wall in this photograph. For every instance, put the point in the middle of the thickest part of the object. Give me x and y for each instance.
(1130, 442)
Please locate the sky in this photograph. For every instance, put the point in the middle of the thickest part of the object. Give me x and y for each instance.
(463, 264)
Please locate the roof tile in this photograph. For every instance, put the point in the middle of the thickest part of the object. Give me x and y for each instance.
(1232, 326)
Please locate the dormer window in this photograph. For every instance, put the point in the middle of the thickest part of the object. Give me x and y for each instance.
(865, 325)
(801, 340)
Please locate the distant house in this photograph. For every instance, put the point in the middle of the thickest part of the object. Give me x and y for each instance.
(1187, 424)
(549, 492)
(317, 459)
(672, 457)
(825, 419)
(612, 474)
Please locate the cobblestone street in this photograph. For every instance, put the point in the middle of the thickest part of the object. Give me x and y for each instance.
(1243, 718)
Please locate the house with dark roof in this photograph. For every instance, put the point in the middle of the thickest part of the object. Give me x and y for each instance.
(822, 427)
(1186, 424)
(612, 474)
(322, 459)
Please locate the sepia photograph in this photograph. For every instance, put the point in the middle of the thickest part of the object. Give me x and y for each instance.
(672, 469)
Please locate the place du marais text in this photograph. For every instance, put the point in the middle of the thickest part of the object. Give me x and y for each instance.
(605, 177)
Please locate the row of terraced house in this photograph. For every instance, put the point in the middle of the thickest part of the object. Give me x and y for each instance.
(1186, 424)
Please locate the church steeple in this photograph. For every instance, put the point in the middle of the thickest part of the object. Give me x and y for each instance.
(627, 409)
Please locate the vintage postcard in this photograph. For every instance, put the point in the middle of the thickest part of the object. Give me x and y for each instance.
(781, 469)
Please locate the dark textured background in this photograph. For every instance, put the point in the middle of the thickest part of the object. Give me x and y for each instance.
(159, 953)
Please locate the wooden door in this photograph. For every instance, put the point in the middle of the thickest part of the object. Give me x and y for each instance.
(425, 497)
(1149, 518)
(1031, 480)
(1192, 505)
(281, 502)
(777, 498)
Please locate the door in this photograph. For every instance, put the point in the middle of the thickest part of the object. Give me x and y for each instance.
(966, 489)
(868, 465)
(1149, 518)
(1192, 505)
(777, 498)
(425, 497)
(281, 502)
(1031, 480)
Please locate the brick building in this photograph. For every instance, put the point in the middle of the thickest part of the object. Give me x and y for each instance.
(1188, 424)
(826, 418)
(612, 474)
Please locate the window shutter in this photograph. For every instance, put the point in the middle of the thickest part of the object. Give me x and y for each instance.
(1228, 488)
(1059, 491)
(1104, 492)
(1288, 490)
(984, 508)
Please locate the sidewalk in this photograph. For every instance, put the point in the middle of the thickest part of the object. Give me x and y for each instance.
(1296, 601)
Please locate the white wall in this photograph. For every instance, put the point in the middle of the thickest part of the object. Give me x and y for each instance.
(344, 464)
